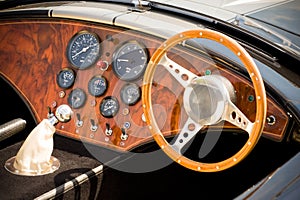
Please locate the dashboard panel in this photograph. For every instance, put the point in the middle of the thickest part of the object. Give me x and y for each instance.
(97, 70)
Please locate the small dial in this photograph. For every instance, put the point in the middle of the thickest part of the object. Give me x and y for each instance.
(83, 50)
(65, 78)
(97, 86)
(109, 106)
(77, 98)
(130, 94)
(130, 60)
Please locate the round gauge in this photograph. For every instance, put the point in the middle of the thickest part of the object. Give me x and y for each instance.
(130, 61)
(65, 78)
(83, 50)
(130, 93)
(77, 98)
(109, 106)
(97, 86)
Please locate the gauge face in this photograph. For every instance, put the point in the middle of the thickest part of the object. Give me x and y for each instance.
(65, 78)
(77, 98)
(97, 86)
(130, 94)
(109, 106)
(83, 50)
(130, 60)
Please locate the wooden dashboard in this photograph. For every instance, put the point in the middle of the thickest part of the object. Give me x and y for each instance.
(34, 52)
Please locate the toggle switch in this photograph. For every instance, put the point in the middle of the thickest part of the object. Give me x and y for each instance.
(124, 135)
(51, 118)
(108, 130)
(79, 122)
(94, 127)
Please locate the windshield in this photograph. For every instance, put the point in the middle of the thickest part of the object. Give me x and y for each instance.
(282, 38)
(276, 21)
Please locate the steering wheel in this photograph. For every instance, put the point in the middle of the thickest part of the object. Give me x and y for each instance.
(221, 106)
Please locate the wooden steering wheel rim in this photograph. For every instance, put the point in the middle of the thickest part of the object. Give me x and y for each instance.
(258, 85)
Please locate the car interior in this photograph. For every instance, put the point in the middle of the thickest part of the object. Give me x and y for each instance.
(105, 100)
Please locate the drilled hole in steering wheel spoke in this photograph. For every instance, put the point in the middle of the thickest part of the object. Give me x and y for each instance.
(233, 115)
(185, 77)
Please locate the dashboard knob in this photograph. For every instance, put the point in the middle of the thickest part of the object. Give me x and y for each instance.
(63, 113)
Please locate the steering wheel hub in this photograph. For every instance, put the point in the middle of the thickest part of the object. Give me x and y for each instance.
(205, 98)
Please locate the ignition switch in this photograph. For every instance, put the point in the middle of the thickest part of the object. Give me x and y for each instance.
(271, 120)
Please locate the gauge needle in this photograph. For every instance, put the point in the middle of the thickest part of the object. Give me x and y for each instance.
(122, 60)
(82, 51)
(76, 100)
(107, 108)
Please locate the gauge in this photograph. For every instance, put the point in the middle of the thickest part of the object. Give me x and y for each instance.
(77, 98)
(65, 78)
(83, 50)
(130, 93)
(97, 86)
(109, 106)
(130, 60)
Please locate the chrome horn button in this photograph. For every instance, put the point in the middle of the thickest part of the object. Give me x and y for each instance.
(205, 98)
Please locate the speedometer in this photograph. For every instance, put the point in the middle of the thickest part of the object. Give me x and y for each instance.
(83, 50)
(130, 60)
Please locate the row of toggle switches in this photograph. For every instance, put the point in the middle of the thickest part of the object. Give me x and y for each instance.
(108, 130)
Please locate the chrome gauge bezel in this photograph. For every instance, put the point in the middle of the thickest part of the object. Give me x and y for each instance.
(121, 58)
(79, 54)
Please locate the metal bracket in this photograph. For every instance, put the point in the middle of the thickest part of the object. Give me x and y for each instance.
(140, 6)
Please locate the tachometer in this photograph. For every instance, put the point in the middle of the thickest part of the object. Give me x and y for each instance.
(130, 60)
(83, 49)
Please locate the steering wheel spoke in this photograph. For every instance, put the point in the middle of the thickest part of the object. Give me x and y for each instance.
(235, 116)
(182, 75)
(187, 133)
